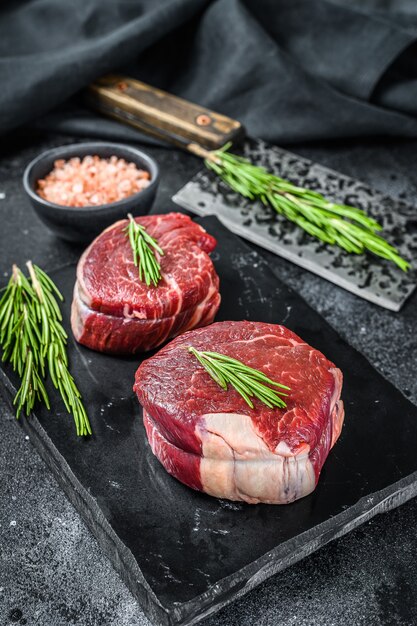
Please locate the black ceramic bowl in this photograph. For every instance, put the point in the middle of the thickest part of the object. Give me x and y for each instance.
(82, 224)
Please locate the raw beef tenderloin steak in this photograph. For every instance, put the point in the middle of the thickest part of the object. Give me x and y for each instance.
(211, 440)
(114, 311)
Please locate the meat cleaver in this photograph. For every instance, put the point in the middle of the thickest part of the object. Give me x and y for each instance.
(197, 129)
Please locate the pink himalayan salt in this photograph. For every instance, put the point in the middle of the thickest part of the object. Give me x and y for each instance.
(91, 181)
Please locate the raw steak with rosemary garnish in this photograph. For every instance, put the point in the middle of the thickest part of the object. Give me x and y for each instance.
(114, 311)
(211, 440)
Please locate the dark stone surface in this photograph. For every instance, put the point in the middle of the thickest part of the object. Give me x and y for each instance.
(51, 570)
(149, 524)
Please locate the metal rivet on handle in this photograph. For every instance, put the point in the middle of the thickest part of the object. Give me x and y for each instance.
(203, 120)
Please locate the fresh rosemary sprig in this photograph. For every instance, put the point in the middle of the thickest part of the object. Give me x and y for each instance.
(144, 247)
(346, 226)
(20, 339)
(54, 341)
(248, 382)
(34, 341)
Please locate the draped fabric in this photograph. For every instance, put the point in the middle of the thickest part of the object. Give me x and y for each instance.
(290, 70)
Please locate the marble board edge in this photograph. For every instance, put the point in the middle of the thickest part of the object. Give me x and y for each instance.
(228, 589)
(119, 555)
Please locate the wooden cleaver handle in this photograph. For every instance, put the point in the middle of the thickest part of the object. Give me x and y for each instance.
(162, 115)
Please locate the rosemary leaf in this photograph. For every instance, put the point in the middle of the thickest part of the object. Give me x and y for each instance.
(144, 248)
(53, 340)
(34, 342)
(21, 343)
(248, 382)
(346, 226)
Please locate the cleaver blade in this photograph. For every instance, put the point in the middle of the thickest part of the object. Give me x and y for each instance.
(367, 276)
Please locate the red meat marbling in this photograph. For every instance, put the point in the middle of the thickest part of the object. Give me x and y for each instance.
(211, 440)
(114, 311)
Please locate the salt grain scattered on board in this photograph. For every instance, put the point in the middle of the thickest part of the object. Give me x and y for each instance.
(92, 181)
